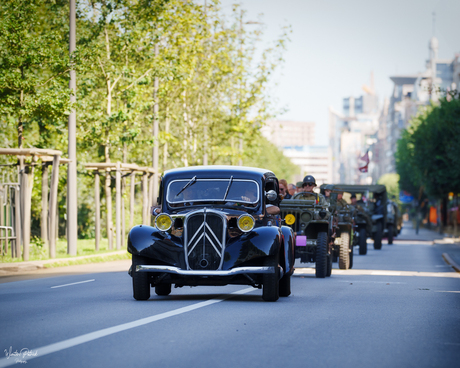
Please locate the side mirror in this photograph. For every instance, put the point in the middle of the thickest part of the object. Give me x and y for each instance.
(271, 195)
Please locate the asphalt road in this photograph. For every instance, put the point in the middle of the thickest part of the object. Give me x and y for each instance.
(398, 307)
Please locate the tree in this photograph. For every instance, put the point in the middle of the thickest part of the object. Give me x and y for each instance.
(34, 64)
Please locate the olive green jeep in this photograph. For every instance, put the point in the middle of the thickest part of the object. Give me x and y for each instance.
(311, 221)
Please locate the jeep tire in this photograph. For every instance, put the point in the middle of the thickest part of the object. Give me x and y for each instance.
(321, 255)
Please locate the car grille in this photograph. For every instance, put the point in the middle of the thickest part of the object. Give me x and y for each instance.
(204, 240)
(297, 214)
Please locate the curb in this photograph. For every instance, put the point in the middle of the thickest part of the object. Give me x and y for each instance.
(8, 268)
(451, 262)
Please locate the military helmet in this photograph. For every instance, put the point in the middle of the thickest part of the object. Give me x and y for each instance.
(309, 179)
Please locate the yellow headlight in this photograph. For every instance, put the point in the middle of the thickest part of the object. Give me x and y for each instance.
(163, 222)
(246, 223)
(290, 219)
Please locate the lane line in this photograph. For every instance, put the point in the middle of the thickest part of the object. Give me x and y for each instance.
(299, 272)
(73, 283)
(385, 273)
(65, 344)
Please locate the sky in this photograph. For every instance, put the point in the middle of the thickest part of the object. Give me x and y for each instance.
(336, 44)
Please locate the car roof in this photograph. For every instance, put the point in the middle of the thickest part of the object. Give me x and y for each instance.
(357, 188)
(218, 171)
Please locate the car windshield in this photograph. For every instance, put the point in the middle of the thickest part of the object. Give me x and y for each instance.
(234, 191)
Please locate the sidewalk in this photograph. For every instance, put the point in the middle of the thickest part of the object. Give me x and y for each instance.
(448, 245)
(8, 269)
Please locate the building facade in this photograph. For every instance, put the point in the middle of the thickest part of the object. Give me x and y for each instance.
(410, 93)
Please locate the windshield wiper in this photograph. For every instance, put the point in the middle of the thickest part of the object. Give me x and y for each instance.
(228, 187)
(192, 180)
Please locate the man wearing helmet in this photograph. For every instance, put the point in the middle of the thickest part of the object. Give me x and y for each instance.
(308, 184)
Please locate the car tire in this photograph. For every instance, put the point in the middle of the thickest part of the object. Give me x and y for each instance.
(362, 242)
(378, 236)
(344, 256)
(285, 286)
(163, 289)
(141, 280)
(351, 257)
(390, 234)
(271, 281)
(321, 255)
(329, 265)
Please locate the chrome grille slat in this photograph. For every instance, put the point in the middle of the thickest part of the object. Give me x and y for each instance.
(204, 239)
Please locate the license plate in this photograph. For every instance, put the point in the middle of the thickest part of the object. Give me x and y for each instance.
(301, 241)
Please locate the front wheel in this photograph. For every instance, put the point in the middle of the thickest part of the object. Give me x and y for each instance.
(285, 286)
(362, 241)
(141, 281)
(163, 289)
(321, 255)
(271, 281)
(390, 234)
(344, 256)
(378, 236)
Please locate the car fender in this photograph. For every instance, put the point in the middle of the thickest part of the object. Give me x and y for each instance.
(289, 249)
(150, 242)
(258, 243)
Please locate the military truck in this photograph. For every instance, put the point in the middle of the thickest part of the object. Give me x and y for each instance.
(374, 201)
(311, 221)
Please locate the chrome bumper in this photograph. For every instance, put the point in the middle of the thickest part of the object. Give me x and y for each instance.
(178, 271)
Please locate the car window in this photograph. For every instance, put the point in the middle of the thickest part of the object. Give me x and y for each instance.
(213, 190)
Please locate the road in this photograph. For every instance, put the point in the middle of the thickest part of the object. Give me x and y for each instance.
(398, 307)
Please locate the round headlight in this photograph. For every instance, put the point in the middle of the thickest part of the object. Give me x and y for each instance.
(163, 222)
(289, 219)
(306, 216)
(246, 223)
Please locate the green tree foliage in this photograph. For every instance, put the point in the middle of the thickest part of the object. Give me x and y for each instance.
(34, 67)
(428, 152)
(212, 90)
(391, 182)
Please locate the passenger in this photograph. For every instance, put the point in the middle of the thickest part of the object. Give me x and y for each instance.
(292, 189)
(298, 187)
(342, 203)
(360, 209)
(283, 185)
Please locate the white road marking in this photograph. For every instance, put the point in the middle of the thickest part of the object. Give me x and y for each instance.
(58, 346)
(301, 271)
(73, 283)
(385, 273)
(447, 291)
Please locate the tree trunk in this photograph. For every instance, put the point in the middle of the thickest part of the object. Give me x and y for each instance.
(108, 201)
(44, 213)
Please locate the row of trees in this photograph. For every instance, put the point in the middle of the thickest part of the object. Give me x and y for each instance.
(180, 62)
(428, 152)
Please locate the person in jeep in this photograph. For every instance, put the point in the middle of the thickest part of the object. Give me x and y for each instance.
(308, 184)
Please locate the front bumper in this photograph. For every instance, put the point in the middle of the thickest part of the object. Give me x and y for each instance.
(178, 271)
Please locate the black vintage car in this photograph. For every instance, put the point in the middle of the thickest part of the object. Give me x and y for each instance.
(215, 225)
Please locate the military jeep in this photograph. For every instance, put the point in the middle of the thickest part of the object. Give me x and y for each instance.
(374, 202)
(342, 228)
(312, 223)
